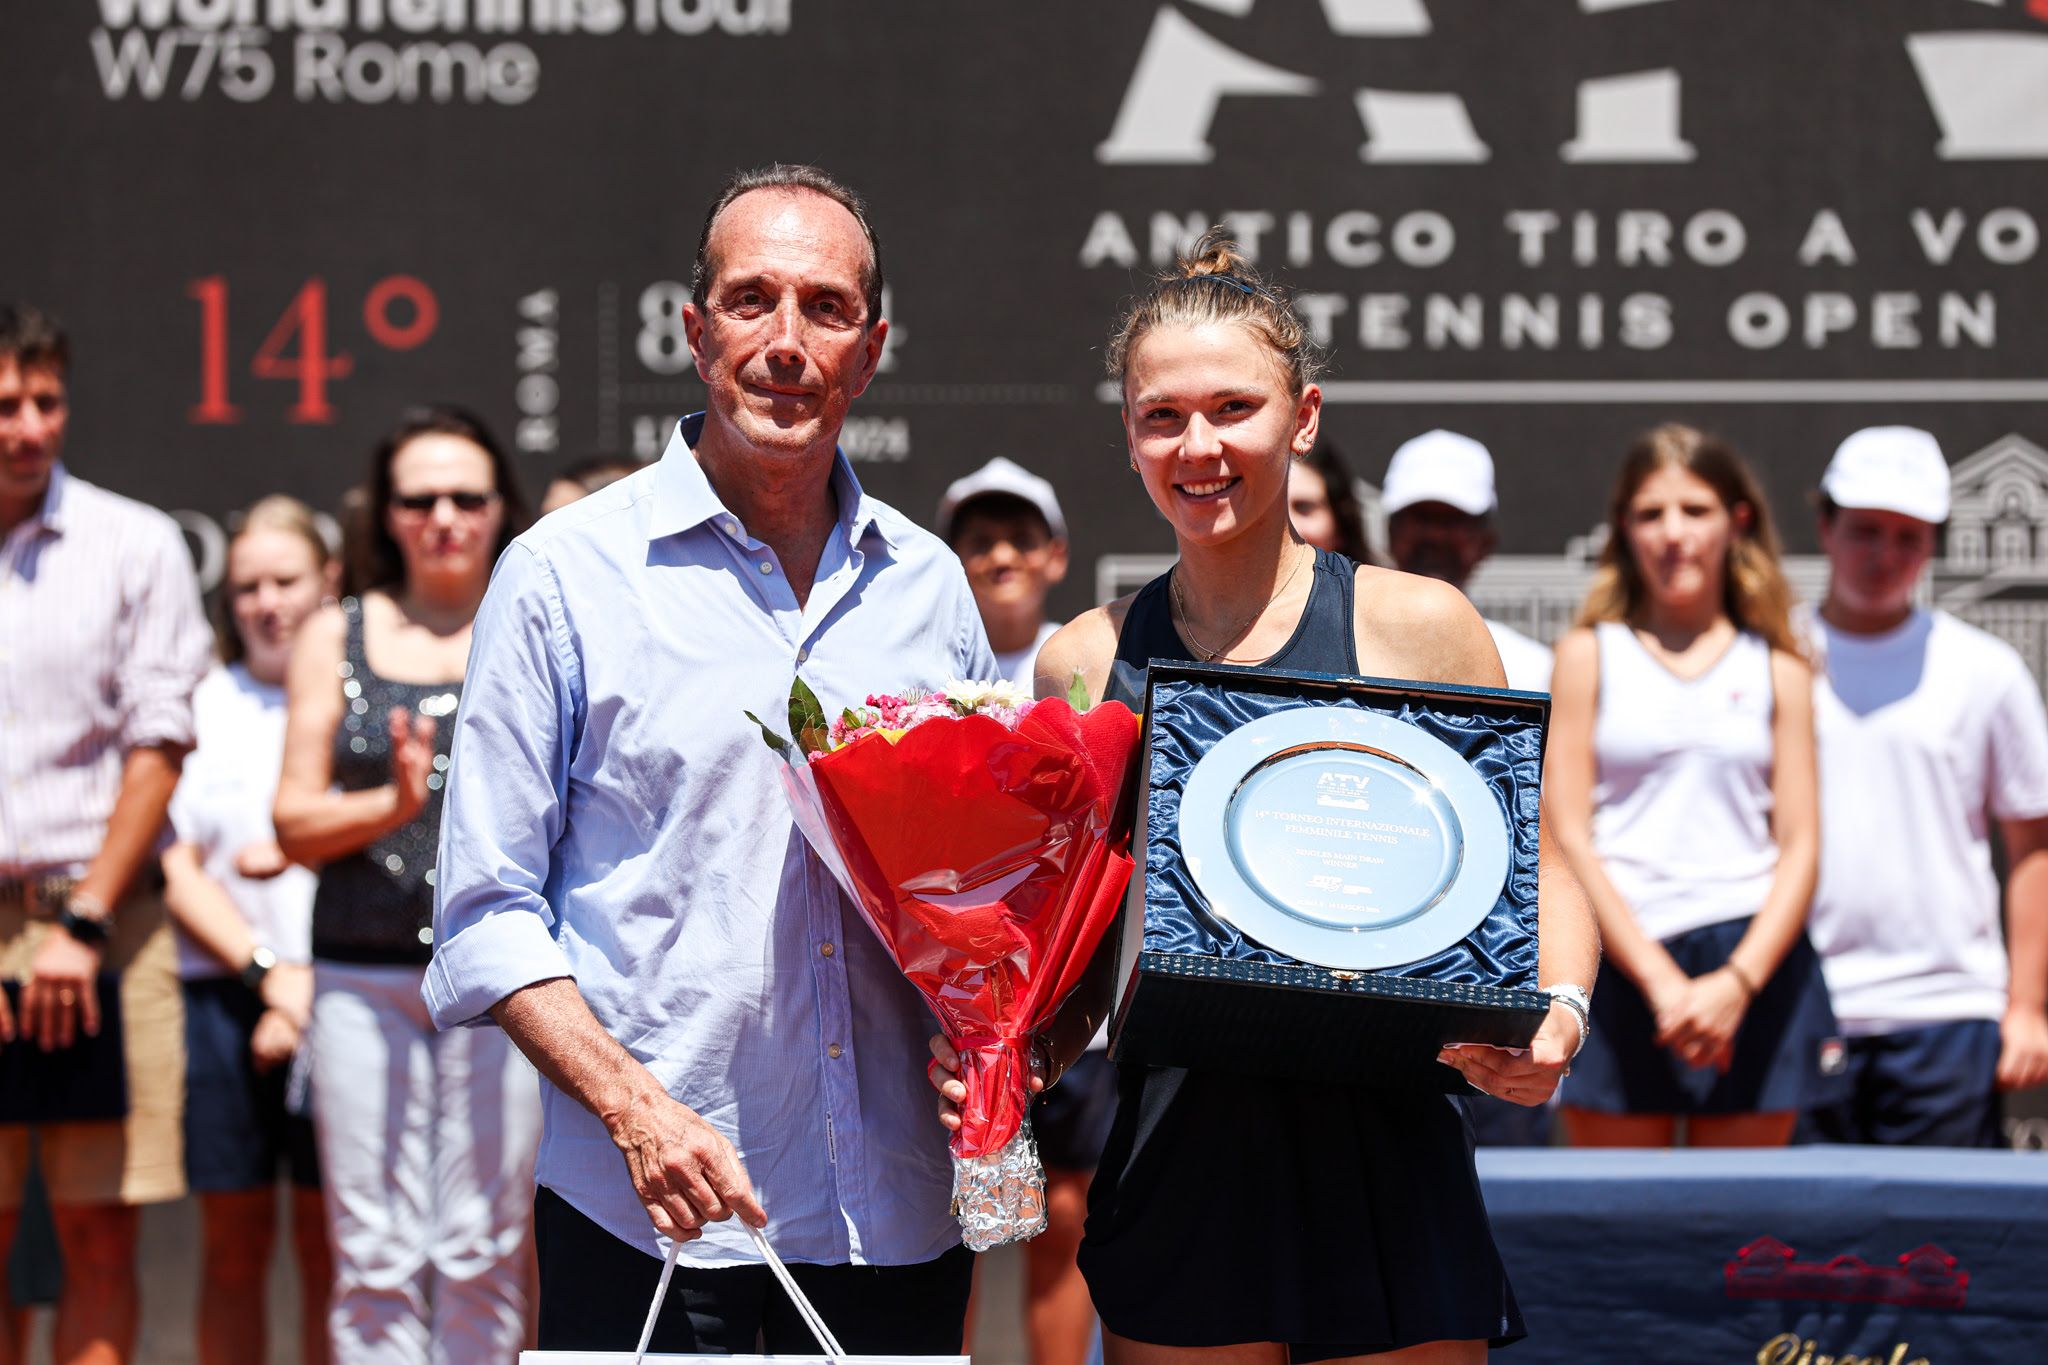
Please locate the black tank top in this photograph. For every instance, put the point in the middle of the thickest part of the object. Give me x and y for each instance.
(376, 905)
(1322, 642)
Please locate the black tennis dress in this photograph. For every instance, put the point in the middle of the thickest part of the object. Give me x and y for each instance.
(1337, 1219)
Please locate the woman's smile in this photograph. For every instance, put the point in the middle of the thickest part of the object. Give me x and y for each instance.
(1208, 490)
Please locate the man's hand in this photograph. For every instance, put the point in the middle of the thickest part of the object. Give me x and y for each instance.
(685, 1171)
(944, 1074)
(1699, 1026)
(275, 1039)
(412, 760)
(61, 998)
(288, 989)
(2023, 1048)
(261, 860)
(1527, 1077)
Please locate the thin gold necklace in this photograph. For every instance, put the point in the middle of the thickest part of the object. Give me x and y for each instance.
(1180, 607)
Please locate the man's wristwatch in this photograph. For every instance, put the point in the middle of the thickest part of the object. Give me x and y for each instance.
(85, 917)
(261, 960)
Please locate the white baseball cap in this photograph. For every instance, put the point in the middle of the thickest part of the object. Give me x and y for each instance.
(1006, 477)
(1890, 469)
(1440, 466)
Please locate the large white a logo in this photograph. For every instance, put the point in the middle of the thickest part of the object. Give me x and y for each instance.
(1985, 88)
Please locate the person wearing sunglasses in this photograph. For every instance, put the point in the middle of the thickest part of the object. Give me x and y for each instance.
(426, 1139)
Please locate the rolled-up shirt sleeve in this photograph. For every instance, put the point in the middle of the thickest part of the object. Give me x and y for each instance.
(167, 646)
(504, 808)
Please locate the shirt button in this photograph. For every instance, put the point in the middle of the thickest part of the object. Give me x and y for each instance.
(766, 567)
(835, 1052)
(804, 654)
(426, 935)
(826, 949)
(732, 528)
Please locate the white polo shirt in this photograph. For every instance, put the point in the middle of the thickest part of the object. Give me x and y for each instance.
(1927, 734)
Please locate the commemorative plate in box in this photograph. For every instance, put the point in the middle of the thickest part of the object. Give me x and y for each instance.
(1340, 875)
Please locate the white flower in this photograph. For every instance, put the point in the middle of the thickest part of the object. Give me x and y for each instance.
(980, 696)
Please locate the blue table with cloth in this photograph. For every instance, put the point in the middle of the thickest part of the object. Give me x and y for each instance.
(1795, 1256)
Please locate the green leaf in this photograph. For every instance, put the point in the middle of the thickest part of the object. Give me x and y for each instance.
(1077, 692)
(807, 718)
(775, 741)
(806, 712)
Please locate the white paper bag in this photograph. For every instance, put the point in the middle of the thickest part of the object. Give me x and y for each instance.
(653, 1358)
(831, 1354)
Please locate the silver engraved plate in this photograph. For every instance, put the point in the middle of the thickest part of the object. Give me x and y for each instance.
(1343, 838)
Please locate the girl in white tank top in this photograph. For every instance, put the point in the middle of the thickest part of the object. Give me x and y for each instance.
(1682, 801)
(1680, 781)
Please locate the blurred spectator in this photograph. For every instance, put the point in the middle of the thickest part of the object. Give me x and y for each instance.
(245, 948)
(1680, 781)
(1930, 730)
(426, 1139)
(583, 478)
(1322, 500)
(102, 642)
(1005, 524)
(1439, 499)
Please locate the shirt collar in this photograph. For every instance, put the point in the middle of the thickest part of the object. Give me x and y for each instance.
(684, 499)
(51, 516)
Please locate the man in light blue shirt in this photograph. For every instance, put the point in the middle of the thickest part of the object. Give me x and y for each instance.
(621, 886)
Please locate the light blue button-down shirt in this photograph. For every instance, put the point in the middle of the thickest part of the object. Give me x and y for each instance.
(612, 816)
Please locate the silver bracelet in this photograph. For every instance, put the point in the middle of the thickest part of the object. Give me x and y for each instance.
(1575, 999)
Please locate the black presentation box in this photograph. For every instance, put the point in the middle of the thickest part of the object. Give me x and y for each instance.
(1340, 875)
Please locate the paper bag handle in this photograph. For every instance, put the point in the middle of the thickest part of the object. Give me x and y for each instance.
(804, 1308)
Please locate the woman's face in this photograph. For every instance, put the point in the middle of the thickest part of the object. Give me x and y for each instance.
(1213, 425)
(274, 582)
(445, 511)
(1308, 503)
(1679, 532)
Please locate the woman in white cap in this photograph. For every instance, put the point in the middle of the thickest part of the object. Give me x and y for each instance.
(1931, 731)
(1680, 779)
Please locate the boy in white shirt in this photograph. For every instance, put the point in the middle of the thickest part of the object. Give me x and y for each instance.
(1929, 730)
(1439, 499)
(1005, 524)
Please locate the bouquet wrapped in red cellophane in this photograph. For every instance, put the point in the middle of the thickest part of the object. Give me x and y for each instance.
(981, 835)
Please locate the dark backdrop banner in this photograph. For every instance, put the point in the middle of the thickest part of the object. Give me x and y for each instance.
(272, 222)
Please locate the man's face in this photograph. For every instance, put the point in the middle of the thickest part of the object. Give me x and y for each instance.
(1437, 540)
(1012, 560)
(33, 411)
(783, 340)
(1875, 558)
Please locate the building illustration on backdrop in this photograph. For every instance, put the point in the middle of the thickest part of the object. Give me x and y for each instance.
(1991, 567)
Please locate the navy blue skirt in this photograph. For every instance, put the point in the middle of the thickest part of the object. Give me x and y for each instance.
(1788, 1051)
(1338, 1220)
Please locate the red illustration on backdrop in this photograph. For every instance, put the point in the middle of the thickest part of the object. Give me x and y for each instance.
(1925, 1277)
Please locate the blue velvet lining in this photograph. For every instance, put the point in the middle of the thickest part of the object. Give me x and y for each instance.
(1503, 743)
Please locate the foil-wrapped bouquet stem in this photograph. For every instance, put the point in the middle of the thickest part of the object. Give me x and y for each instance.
(981, 836)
